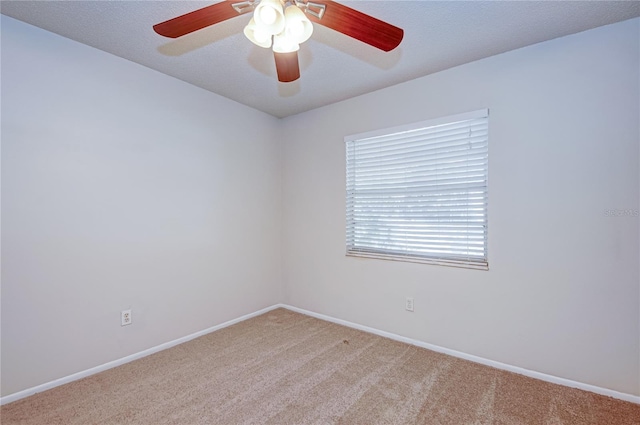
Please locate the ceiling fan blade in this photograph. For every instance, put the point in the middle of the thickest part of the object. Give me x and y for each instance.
(287, 66)
(358, 25)
(197, 19)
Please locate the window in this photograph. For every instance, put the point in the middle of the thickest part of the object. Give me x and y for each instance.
(419, 192)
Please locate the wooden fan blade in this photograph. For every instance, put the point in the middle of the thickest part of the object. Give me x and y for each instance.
(287, 66)
(197, 19)
(358, 25)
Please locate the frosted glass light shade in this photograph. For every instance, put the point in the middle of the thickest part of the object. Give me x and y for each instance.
(257, 35)
(269, 16)
(297, 26)
(283, 44)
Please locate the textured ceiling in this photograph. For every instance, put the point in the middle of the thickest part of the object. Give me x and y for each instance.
(438, 35)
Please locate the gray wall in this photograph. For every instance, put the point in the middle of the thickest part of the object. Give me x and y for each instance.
(562, 293)
(124, 188)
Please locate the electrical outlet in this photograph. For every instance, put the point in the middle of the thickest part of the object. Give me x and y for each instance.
(409, 304)
(125, 317)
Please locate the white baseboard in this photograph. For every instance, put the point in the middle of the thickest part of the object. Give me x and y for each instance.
(82, 374)
(470, 357)
(498, 365)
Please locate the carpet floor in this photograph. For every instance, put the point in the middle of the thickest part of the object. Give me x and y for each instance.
(287, 368)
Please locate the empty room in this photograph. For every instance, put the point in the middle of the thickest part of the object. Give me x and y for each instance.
(320, 212)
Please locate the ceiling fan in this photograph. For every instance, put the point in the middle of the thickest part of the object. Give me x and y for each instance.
(284, 24)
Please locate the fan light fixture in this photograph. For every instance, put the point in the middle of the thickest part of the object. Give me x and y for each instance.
(283, 24)
(284, 44)
(297, 26)
(287, 27)
(257, 35)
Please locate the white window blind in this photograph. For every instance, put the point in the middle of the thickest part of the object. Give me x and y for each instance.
(419, 193)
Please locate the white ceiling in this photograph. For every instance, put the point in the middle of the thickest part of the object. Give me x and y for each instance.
(438, 35)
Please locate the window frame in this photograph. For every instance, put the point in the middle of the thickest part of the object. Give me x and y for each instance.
(470, 262)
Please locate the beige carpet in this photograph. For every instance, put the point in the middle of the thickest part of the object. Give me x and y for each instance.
(287, 368)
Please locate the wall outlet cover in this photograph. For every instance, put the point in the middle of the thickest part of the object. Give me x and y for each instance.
(409, 304)
(125, 317)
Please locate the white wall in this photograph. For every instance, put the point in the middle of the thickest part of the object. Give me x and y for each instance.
(562, 293)
(124, 188)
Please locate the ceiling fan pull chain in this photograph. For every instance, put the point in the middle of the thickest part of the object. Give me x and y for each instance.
(313, 9)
